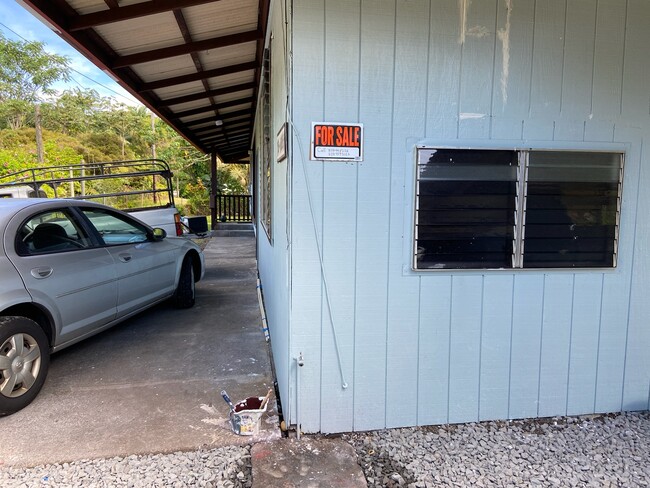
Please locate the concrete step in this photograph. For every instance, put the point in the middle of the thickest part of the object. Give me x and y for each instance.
(233, 229)
(308, 462)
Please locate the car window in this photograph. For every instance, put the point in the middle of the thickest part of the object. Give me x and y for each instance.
(51, 231)
(115, 229)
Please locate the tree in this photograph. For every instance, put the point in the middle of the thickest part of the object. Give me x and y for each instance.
(27, 73)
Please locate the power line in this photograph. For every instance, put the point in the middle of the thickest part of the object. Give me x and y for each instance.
(74, 70)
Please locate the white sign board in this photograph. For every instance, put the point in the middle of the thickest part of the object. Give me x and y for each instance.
(334, 141)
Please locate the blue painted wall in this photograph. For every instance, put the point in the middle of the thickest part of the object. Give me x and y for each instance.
(273, 252)
(385, 346)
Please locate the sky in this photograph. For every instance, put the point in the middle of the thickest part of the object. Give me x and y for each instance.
(16, 23)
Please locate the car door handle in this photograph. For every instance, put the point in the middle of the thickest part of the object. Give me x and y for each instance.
(124, 257)
(41, 272)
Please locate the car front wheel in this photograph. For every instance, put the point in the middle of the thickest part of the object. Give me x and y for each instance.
(24, 361)
(184, 295)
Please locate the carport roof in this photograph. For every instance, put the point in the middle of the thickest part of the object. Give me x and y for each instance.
(193, 62)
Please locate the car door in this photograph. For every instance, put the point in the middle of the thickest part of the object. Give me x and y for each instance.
(146, 268)
(64, 269)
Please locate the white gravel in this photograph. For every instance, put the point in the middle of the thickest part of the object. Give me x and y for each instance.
(592, 451)
(228, 467)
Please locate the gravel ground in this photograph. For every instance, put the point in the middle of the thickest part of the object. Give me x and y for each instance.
(228, 467)
(593, 451)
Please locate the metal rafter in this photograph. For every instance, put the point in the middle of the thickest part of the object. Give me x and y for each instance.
(128, 12)
(80, 31)
(186, 48)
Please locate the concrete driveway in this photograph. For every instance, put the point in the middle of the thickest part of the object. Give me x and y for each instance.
(152, 384)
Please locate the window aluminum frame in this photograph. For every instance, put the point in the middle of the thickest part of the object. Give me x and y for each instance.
(521, 202)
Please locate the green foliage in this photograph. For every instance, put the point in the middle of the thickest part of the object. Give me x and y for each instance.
(80, 125)
(27, 73)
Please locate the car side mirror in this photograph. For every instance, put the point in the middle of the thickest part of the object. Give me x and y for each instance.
(159, 234)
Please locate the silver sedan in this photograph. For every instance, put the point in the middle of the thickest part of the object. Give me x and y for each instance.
(69, 269)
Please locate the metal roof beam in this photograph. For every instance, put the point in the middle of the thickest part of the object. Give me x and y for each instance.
(223, 117)
(210, 93)
(215, 106)
(203, 75)
(128, 12)
(187, 48)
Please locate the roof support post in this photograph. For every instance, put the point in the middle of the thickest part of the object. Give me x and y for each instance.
(213, 190)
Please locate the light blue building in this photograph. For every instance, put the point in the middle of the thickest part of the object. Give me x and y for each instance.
(488, 257)
(452, 197)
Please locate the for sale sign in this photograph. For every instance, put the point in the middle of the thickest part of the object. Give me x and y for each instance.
(336, 141)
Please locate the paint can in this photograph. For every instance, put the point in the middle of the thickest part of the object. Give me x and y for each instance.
(245, 416)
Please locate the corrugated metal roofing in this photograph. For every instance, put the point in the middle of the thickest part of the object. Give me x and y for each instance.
(192, 62)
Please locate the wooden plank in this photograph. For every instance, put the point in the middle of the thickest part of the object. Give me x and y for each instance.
(495, 346)
(410, 82)
(525, 345)
(548, 55)
(556, 340)
(341, 92)
(375, 110)
(477, 70)
(465, 347)
(433, 350)
(587, 300)
(608, 59)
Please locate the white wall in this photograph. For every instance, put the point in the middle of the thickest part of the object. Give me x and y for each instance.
(427, 348)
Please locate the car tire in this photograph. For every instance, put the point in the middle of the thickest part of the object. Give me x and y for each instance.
(185, 291)
(24, 362)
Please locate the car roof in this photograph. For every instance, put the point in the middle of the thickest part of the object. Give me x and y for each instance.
(9, 206)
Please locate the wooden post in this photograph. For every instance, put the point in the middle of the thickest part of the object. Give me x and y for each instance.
(213, 190)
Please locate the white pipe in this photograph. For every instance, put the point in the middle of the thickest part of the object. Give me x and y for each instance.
(265, 325)
(300, 361)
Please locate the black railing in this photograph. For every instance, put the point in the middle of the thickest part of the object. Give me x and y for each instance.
(234, 208)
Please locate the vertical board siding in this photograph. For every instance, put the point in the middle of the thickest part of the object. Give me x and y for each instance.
(578, 67)
(339, 234)
(444, 71)
(433, 351)
(377, 45)
(411, 33)
(548, 58)
(555, 344)
(464, 347)
(307, 292)
(585, 333)
(636, 62)
(608, 59)
(527, 311)
(273, 256)
(477, 44)
(513, 66)
(495, 346)
(424, 348)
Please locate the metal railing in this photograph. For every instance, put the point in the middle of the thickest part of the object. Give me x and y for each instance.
(234, 208)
